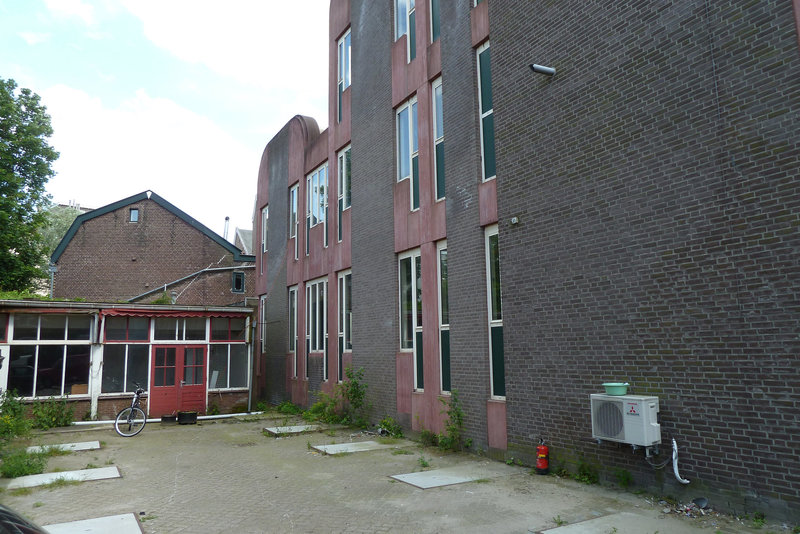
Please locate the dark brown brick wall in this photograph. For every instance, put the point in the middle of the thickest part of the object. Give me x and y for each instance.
(655, 178)
(375, 315)
(111, 259)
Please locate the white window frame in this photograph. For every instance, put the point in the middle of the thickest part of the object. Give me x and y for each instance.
(403, 12)
(264, 228)
(430, 16)
(293, 328)
(262, 306)
(490, 231)
(416, 310)
(438, 131)
(317, 200)
(408, 141)
(343, 69)
(294, 192)
(344, 194)
(441, 246)
(228, 345)
(313, 338)
(483, 113)
(343, 318)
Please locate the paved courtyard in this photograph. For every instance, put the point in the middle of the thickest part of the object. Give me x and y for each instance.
(225, 475)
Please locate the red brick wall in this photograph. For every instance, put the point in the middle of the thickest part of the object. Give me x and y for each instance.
(112, 259)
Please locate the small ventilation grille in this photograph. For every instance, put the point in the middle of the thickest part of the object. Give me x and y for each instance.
(608, 419)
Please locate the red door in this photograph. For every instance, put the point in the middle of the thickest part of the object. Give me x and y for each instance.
(178, 381)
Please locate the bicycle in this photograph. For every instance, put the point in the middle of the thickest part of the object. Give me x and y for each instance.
(131, 420)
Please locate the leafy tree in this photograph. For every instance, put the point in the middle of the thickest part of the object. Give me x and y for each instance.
(25, 159)
(58, 221)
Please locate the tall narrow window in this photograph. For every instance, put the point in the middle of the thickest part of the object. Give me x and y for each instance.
(343, 70)
(316, 322)
(344, 187)
(263, 321)
(410, 274)
(345, 319)
(405, 24)
(408, 148)
(264, 228)
(237, 282)
(317, 203)
(293, 216)
(134, 215)
(435, 26)
(444, 318)
(486, 111)
(438, 138)
(293, 328)
(494, 299)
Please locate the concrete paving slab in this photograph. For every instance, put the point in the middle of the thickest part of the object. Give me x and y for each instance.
(296, 429)
(625, 523)
(71, 447)
(81, 475)
(356, 446)
(118, 524)
(467, 472)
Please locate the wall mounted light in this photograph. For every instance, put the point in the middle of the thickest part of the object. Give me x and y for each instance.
(540, 69)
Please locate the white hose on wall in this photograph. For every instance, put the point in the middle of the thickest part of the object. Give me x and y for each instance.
(675, 462)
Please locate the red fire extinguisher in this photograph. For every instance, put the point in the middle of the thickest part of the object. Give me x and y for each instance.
(542, 458)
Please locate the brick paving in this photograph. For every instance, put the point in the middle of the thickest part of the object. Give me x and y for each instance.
(226, 476)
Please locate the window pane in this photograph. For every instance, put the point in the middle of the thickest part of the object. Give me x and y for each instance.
(165, 329)
(238, 366)
(25, 326)
(485, 81)
(218, 367)
(434, 20)
(348, 314)
(415, 182)
(79, 327)
(116, 328)
(21, 365)
(195, 328)
(440, 170)
(138, 328)
(77, 370)
(438, 125)
(48, 371)
(138, 356)
(488, 146)
(445, 311)
(400, 18)
(219, 328)
(3, 326)
(414, 133)
(412, 35)
(237, 328)
(292, 320)
(403, 149)
(113, 369)
(53, 327)
(321, 320)
(418, 266)
(406, 305)
(494, 266)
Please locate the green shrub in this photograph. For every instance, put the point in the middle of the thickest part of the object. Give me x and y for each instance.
(21, 463)
(13, 422)
(347, 404)
(587, 473)
(288, 408)
(52, 413)
(452, 437)
(391, 427)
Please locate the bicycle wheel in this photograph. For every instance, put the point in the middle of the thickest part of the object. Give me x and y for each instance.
(129, 422)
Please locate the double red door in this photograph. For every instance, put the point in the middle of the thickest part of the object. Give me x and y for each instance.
(178, 379)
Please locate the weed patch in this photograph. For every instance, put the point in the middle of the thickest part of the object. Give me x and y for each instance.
(21, 463)
(52, 413)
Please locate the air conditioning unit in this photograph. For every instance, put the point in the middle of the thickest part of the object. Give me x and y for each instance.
(629, 419)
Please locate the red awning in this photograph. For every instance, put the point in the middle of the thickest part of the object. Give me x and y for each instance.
(122, 312)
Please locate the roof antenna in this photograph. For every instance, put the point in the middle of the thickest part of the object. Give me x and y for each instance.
(225, 233)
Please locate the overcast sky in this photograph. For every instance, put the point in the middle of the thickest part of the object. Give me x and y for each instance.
(176, 96)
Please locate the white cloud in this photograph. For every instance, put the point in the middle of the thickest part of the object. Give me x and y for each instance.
(271, 45)
(149, 143)
(72, 8)
(33, 38)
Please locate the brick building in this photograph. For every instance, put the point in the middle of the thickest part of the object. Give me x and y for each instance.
(143, 249)
(641, 203)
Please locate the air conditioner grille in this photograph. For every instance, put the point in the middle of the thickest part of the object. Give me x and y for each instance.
(609, 419)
